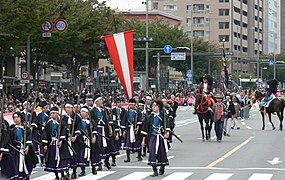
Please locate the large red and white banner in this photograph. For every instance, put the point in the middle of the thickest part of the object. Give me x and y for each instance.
(121, 50)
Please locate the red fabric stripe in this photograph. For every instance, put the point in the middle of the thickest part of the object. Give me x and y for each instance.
(113, 51)
(129, 39)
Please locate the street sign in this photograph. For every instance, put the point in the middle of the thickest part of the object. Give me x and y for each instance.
(178, 56)
(167, 49)
(189, 77)
(25, 77)
(89, 81)
(137, 79)
(46, 34)
(61, 25)
(1, 86)
(46, 27)
(270, 62)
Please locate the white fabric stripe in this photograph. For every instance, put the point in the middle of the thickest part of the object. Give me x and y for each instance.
(256, 176)
(219, 176)
(136, 176)
(100, 174)
(119, 39)
(178, 176)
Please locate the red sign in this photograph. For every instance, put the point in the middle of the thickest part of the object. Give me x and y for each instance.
(61, 25)
(46, 27)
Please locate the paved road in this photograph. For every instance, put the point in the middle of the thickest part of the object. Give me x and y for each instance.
(244, 155)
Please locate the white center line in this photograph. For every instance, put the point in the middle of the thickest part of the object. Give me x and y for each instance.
(248, 127)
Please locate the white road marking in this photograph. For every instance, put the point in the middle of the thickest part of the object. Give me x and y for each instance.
(99, 175)
(212, 138)
(136, 176)
(230, 152)
(46, 176)
(219, 176)
(204, 168)
(256, 176)
(120, 155)
(243, 123)
(178, 176)
(169, 157)
(248, 127)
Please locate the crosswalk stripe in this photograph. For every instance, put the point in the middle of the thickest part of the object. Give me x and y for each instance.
(136, 176)
(219, 176)
(99, 175)
(257, 176)
(178, 176)
(46, 176)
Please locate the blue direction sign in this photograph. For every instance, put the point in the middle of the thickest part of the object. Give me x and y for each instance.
(189, 77)
(167, 49)
(271, 62)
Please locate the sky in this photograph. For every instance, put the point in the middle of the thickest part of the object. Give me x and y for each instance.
(123, 4)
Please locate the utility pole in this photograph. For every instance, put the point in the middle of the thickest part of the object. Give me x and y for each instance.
(28, 61)
(146, 47)
(158, 71)
(192, 35)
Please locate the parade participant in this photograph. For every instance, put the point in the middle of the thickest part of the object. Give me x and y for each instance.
(85, 154)
(89, 101)
(236, 115)
(142, 115)
(148, 102)
(130, 126)
(171, 115)
(228, 118)
(26, 112)
(114, 137)
(38, 127)
(117, 115)
(7, 165)
(174, 104)
(74, 126)
(218, 110)
(99, 115)
(270, 92)
(157, 128)
(55, 145)
(206, 84)
(24, 157)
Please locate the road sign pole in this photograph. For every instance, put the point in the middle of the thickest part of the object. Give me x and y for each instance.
(158, 71)
(274, 66)
(28, 60)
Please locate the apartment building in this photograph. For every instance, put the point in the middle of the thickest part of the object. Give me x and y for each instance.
(239, 22)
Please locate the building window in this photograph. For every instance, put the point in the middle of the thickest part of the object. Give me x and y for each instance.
(244, 37)
(155, 5)
(223, 1)
(226, 37)
(170, 7)
(237, 10)
(244, 13)
(244, 1)
(224, 12)
(244, 25)
(199, 21)
(244, 49)
(199, 7)
(188, 21)
(188, 7)
(224, 25)
(199, 33)
(189, 33)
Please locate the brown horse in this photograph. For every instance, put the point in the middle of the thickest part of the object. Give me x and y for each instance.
(204, 115)
(276, 105)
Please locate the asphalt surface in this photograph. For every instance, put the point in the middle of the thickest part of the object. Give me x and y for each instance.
(248, 154)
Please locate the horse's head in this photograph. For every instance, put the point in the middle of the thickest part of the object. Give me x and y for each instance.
(256, 95)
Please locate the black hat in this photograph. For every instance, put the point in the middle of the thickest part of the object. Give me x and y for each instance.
(141, 103)
(97, 97)
(117, 100)
(54, 109)
(84, 109)
(89, 98)
(17, 114)
(43, 104)
(159, 104)
(132, 101)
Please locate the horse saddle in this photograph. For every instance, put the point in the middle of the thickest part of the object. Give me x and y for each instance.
(266, 101)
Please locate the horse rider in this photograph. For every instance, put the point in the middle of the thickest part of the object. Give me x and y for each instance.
(205, 87)
(270, 92)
